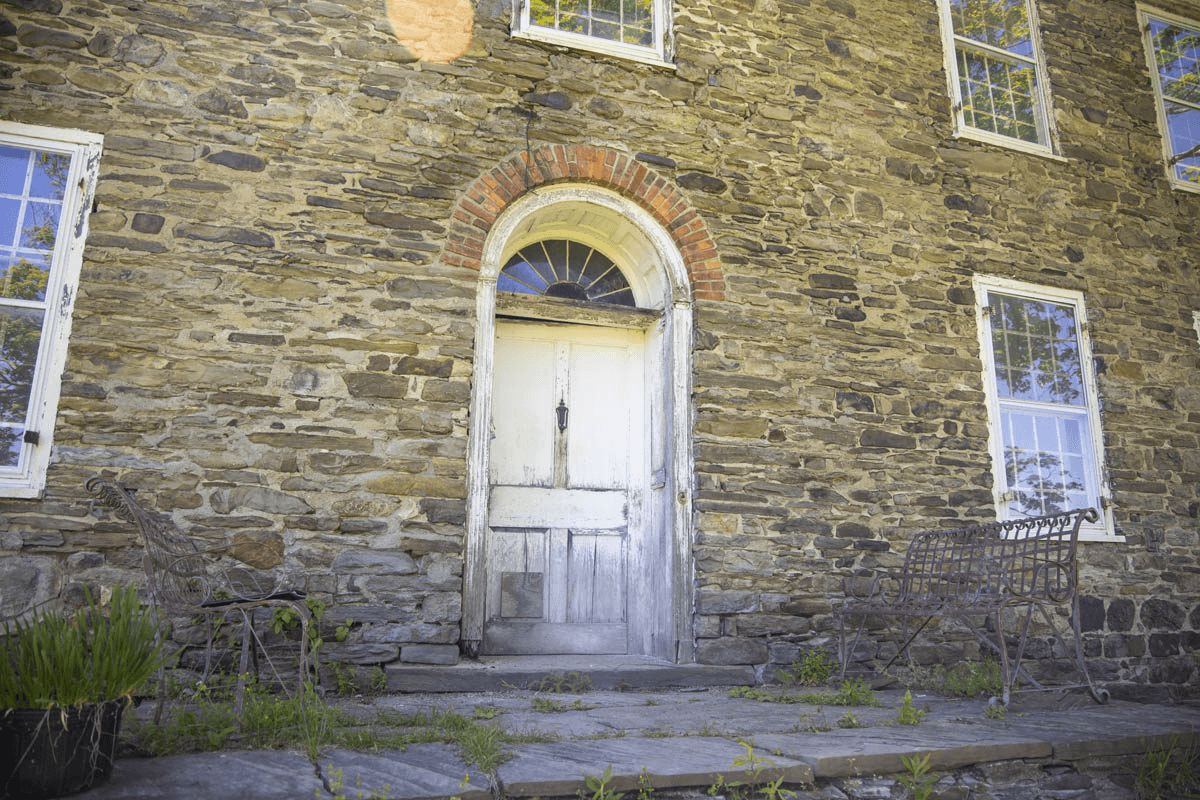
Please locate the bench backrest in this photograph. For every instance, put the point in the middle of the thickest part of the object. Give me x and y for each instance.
(1026, 559)
(177, 573)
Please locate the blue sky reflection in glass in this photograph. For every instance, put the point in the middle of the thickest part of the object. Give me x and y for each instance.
(566, 269)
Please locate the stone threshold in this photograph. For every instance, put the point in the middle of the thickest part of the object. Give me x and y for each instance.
(563, 672)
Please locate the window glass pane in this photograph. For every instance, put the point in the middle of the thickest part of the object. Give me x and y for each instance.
(541, 13)
(40, 225)
(639, 22)
(14, 167)
(1183, 127)
(606, 19)
(998, 96)
(49, 175)
(554, 254)
(999, 23)
(1177, 54)
(10, 445)
(519, 276)
(573, 16)
(27, 278)
(9, 210)
(20, 335)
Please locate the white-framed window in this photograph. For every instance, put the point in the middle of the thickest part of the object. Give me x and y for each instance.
(47, 181)
(996, 72)
(633, 29)
(1173, 53)
(1043, 408)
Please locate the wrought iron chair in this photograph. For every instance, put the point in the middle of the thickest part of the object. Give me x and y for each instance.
(185, 579)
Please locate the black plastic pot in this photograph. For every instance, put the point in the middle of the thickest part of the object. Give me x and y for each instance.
(56, 752)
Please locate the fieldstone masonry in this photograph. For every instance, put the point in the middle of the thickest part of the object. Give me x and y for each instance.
(274, 332)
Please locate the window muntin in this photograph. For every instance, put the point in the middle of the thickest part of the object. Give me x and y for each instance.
(1173, 52)
(566, 269)
(1042, 402)
(47, 177)
(996, 72)
(629, 28)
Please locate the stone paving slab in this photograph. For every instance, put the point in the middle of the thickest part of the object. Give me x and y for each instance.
(696, 761)
(854, 752)
(1111, 730)
(234, 775)
(419, 772)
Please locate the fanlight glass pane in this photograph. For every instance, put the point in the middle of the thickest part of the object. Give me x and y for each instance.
(566, 269)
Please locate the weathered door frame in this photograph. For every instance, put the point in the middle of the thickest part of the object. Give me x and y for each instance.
(658, 275)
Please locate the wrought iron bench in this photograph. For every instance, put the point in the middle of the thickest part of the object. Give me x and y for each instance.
(984, 571)
(185, 579)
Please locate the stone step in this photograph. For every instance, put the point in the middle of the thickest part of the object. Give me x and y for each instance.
(562, 674)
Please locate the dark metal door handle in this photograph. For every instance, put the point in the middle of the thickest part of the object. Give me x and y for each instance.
(562, 411)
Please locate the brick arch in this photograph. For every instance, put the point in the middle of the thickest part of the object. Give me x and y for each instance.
(491, 193)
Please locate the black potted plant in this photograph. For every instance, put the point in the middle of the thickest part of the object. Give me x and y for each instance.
(65, 680)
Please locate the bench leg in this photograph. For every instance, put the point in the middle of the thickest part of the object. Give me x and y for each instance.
(1099, 694)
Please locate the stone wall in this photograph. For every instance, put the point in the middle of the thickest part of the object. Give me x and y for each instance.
(271, 341)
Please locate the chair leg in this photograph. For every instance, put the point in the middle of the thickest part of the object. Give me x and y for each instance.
(243, 666)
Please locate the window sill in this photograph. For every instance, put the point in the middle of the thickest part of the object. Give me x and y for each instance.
(971, 135)
(643, 55)
(1100, 538)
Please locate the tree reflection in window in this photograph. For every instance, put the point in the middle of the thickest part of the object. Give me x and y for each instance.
(1044, 415)
(626, 21)
(1176, 50)
(997, 68)
(566, 269)
(31, 198)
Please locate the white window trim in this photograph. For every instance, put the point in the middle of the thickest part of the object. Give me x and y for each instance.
(1160, 106)
(28, 478)
(1042, 105)
(658, 55)
(1102, 530)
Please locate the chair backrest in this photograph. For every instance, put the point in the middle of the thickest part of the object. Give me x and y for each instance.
(176, 572)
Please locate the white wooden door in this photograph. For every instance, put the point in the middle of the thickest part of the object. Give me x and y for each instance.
(568, 472)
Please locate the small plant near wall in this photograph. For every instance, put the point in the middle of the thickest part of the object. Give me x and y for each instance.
(909, 714)
(814, 668)
(600, 788)
(1169, 772)
(918, 780)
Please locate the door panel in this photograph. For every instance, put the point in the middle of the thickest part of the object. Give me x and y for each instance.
(568, 474)
(597, 569)
(523, 445)
(598, 438)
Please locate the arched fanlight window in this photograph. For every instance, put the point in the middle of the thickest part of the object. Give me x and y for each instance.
(562, 268)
